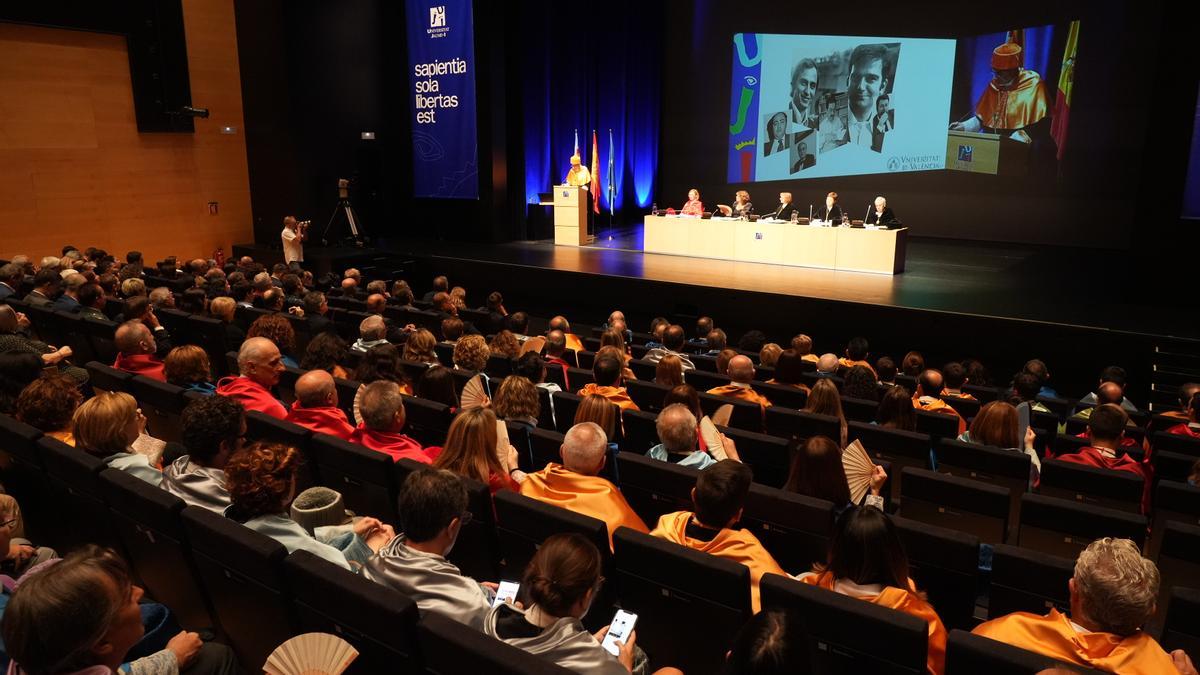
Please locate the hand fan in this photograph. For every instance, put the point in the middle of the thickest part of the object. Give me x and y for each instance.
(533, 344)
(311, 654)
(149, 446)
(502, 443)
(712, 439)
(859, 469)
(474, 395)
(721, 415)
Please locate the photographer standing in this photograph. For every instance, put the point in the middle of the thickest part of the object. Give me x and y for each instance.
(293, 236)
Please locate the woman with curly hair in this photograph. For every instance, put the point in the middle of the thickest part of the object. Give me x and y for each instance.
(419, 348)
(106, 426)
(326, 352)
(470, 451)
(471, 353)
(278, 330)
(517, 401)
(262, 484)
(48, 403)
(381, 362)
(505, 344)
(187, 366)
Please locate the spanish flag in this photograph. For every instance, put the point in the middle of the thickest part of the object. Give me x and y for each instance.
(1066, 78)
(595, 186)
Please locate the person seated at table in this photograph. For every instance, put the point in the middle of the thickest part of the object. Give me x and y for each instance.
(1113, 594)
(1190, 428)
(786, 208)
(867, 561)
(741, 206)
(693, 207)
(882, 215)
(831, 212)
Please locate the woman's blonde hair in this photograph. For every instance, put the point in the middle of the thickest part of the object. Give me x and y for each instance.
(669, 371)
(470, 448)
(223, 308)
(769, 355)
(603, 412)
(471, 353)
(100, 423)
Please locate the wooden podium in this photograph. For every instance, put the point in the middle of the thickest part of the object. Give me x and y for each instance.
(570, 216)
(986, 153)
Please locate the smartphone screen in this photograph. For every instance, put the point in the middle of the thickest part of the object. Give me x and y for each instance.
(506, 593)
(618, 631)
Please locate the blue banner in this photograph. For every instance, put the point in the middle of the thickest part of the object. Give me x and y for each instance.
(441, 60)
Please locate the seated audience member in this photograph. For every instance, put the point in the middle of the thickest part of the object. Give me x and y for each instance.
(496, 312)
(606, 371)
(704, 326)
(601, 412)
(619, 354)
(92, 301)
(1186, 391)
(827, 365)
(673, 343)
(929, 389)
(1107, 392)
(1189, 428)
(278, 330)
(789, 368)
(224, 309)
(48, 403)
(1113, 594)
(1025, 390)
(824, 399)
(327, 352)
(658, 326)
(770, 643)
(955, 376)
(187, 366)
(418, 348)
(532, 367)
(470, 451)
(13, 340)
(556, 355)
(17, 371)
(816, 471)
(723, 360)
(192, 301)
(260, 365)
(572, 340)
(576, 485)
(1115, 375)
(432, 510)
(136, 350)
(679, 439)
(437, 384)
(715, 342)
(867, 562)
(262, 483)
(82, 615)
(372, 332)
(382, 409)
(452, 330)
(1106, 428)
(802, 345)
(885, 367)
(214, 429)
(106, 426)
(857, 353)
(131, 287)
(1037, 368)
(996, 425)
(316, 314)
(11, 278)
(768, 356)
(752, 341)
(561, 582)
(517, 400)
(913, 364)
(615, 339)
(518, 324)
(316, 406)
(717, 500)
(471, 354)
(860, 382)
(741, 374)
(976, 372)
(505, 344)
(69, 300)
(381, 362)
(669, 371)
(17, 554)
(45, 286)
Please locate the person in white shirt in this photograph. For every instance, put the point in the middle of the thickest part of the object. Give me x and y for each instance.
(293, 237)
(867, 80)
(777, 138)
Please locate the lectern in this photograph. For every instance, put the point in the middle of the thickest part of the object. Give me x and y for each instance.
(982, 152)
(570, 216)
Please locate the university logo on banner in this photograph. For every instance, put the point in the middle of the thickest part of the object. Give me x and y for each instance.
(965, 152)
(437, 16)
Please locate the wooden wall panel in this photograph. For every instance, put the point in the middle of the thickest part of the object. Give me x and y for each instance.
(73, 167)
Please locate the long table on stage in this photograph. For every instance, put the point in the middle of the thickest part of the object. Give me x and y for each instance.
(852, 249)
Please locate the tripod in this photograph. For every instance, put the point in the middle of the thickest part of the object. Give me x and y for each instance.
(344, 207)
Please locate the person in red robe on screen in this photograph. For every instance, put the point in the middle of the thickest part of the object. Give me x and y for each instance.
(1106, 425)
(260, 365)
(382, 408)
(316, 407)
(137, 348)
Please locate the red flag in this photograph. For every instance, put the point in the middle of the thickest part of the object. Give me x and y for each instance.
(595, 186)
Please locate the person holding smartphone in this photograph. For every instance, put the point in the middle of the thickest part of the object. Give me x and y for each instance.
(560, 583)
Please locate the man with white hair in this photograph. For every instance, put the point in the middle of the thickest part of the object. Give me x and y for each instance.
(680, 442)
(576, 485)
(260, 365)
(136, 351)
(372, 331)
(1113, 596)
(881, 215)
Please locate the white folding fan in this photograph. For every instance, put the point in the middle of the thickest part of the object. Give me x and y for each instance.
(859, 469)
(474, 395)
(502, 443)
(721, 415)
(533, 344)
(311, 654)
(712, 438)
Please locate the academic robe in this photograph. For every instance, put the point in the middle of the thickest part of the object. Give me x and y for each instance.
(812, 358)
(589, 495)
(391, 443)
(1054, 636)
(1015, 107)
(433, 582)
(295, 538)
(322, 420)
(742, 392)
(565, 642)
(850, 364)
(937, 405)
(197, 485)
(794, 385)
(141, 364)
(563, 365)
(135, 465)
(252, 395)
(736, 545)
(1185, 430)
(1090, 456)
(617, 395)
(904, 600)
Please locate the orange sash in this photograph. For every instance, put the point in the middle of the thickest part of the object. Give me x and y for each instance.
(589, 495)
(937, 405)
(617, 395)
(742, 393)
(850, 364)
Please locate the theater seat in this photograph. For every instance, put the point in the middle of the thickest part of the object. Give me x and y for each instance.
(1173, 501)
(452, 648)
(364, 477)
(262, 427)
(654, 488)
(100, 335)
(426, 421)
(243, 573)
(900, 448)
(74, 481)
(681, 592)
(859, 409)
(968, 654)
(702, 380)
(995, 466)
(1184, 445)
(641, 430)
(937, 424)
(965, 407)
(104, 377)
(544, 447)
(944, 563)
(1182, 628)
(1172, 465)
(799, 424)
(579, 378)
(25, 476)
(794, 528)
(379, 621)
(837, 625)
(209, 334)
(1064, 528)
(1092, 485)
(477, 552)
(162, 404)
(565, 407)
(746, 415)
(1024, 580)
(1178, 562)
(960, 504)
(647, 394)
(783, 395)
(766, 454)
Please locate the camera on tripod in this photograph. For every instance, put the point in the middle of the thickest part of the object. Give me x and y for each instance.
(346, 209)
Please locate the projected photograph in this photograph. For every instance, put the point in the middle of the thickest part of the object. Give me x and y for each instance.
(843, 93)
(777, 139)
(1012, 101)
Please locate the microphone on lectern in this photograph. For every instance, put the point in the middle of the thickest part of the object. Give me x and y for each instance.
(810, 213)
(868, 213)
